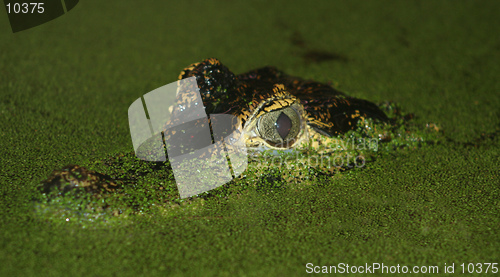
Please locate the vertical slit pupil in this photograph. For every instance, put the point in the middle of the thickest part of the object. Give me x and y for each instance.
(283, 125)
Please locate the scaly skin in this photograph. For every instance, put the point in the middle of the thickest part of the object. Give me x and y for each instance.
(275, 111)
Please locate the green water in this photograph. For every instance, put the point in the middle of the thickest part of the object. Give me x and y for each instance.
(66, 86)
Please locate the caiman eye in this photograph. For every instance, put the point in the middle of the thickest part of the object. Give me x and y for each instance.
(283, 125)
(280, 128)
